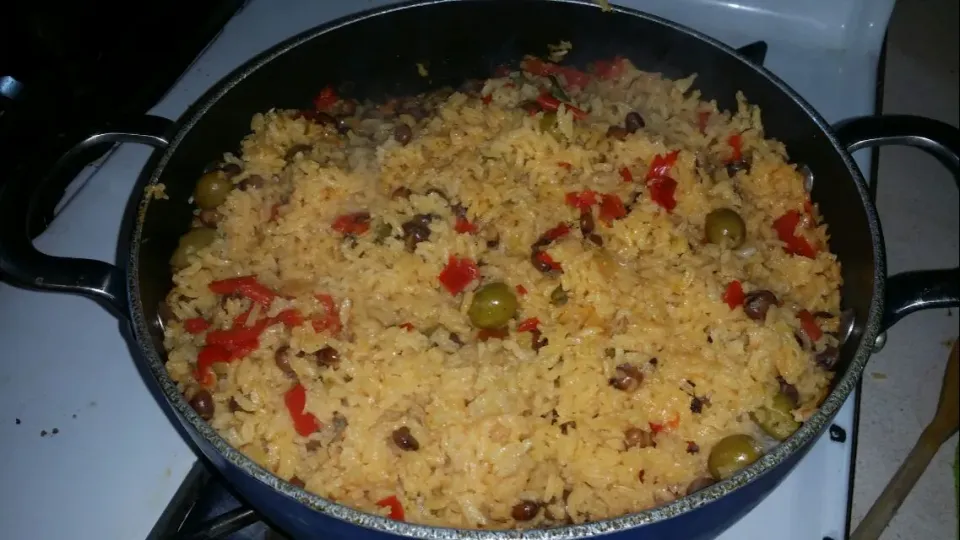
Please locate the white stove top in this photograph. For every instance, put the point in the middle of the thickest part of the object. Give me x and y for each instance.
(88, 453)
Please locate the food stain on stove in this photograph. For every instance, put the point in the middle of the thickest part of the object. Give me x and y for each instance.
(52, 432)
(18, 421)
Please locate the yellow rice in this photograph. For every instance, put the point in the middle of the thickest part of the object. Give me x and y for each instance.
(488, 416)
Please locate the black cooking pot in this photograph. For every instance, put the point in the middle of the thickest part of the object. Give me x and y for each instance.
(377, 51)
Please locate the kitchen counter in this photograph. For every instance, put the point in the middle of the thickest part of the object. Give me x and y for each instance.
(917, 200)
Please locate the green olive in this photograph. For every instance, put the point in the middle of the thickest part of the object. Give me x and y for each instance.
(493, 305)
(725, 227)
(190, 243)
(777, 419)
(212, 189)
(559, 296)
(548, 124)
(731, 454)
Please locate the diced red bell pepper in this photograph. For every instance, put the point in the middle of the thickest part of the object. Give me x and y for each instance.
(247, 286)
(241, 319)
(396, 509)
(463, 226)
(611, 208)
(573, 77)
(237, 335)
(610, 69)
(673, 423)
(196, 325)
(736, 146)
(663, 192)
(355, 223)
(565, 165)
(734, 296)
(303, 422)
(626, 174)
(661, 165)
(702, 118)
(492, 333)
(546, 259)
(561, 230)
(550, 103)
(486, 99)
(582, 200)
(528, 325)
(809, 324)
(325, 99)
(521, 290)
(290, 317)
(407, 326)
(209, 355)
(786, 227)
(458, 273)
(331, 317)
(241, 349)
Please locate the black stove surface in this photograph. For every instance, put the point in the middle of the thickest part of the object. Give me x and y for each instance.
(206, 509)
(68, 68)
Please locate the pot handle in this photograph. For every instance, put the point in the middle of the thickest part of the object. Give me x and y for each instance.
(919, 289)
(23, 265)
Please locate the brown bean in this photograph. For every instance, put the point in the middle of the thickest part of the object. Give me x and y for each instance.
(252, 181)
(696, 404)
(827, 359)
(693, 448)
(586, 222)
(633, 122)
(328, 357)
(789, 390)
(282, 360)
(757, 303)
(401, 192)
(296, 481)
(525, 510)
(405, 440)
(203, 403)
(296, 149)
(540, 264)
(596, 239)
(700, 483)
(627, 378)
(736, 166)
(414, 232)
(210, 218)
(402, 134)
(638, 438)
(617, 132)
(537, 340)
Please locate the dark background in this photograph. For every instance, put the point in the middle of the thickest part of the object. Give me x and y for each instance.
(83, 65)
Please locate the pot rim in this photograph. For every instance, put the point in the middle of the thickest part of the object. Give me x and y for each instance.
(809, 431)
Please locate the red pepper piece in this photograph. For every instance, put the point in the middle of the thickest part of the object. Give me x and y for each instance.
(561, 230)
(611, 208)
(734, 296)
(582, 200)
(296, 399)
(550, 103)
(486, 99)
(573, 77)
(661, 165)
(545, 258)
(396, 509)
(463, 226)
(702, 118)
(209, 355)
(673, 423)
(407, 326)
(626, 174)
(786, 227)
(195, 325)
(243, 348)
(736, 146)
(521, 290)
(247, 286)
(565, 165)
(331, 317)
(488, 333)
(457, 274)
(528, 325)
(355, 223)
(809, 325)
(241, 319)
(663, 192)
(290, 317)
(610, 69)
(237, 335)
(325, 99)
